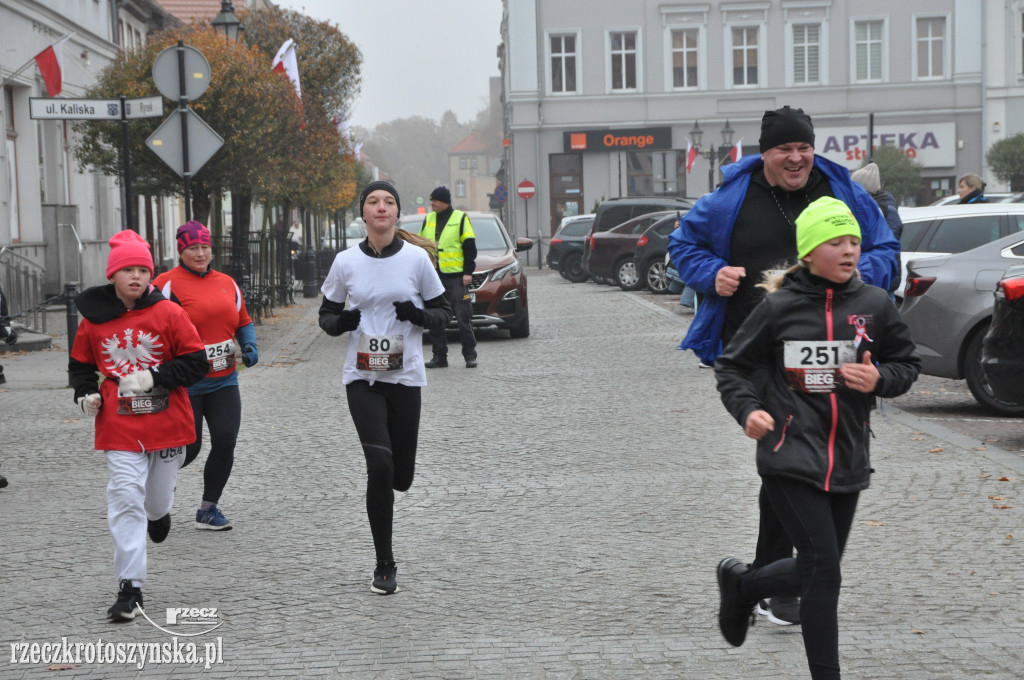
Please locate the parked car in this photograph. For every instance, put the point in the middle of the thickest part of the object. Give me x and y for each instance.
(498, 288)
(948, 305)
(565, 251)
(994, 197)
(609, 254)
(339, 239)
(615, 211)
(936, 231)
(1002, 349)
(651, 249)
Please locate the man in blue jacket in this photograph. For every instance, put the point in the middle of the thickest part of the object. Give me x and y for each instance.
(731, 237)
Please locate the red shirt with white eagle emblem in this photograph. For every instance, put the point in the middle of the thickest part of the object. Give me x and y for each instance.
(136, 340)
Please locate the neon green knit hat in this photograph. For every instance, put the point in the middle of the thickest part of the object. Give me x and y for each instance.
(823, 220)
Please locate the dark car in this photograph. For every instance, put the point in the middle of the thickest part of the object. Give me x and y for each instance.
(609, 254)
(1002, 350)
(498, 289)
(615, 211)
(565, 251)
(649, 256)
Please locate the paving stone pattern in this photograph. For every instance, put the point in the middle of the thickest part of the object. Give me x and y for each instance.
(573, 495)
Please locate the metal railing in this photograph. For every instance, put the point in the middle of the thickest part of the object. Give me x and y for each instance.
(22, 281)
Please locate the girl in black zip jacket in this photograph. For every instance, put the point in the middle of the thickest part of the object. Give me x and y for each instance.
(800, 376)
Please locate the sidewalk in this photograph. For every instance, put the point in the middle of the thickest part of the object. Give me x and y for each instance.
(572, 498)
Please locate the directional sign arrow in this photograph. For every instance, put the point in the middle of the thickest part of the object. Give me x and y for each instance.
(203, 142)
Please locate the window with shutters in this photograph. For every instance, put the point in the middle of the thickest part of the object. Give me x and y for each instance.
(806, 54)
(930, 52)
(869, 50)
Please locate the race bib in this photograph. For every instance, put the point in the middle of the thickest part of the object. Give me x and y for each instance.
(380, 352)
(144, 404)
(221, 355)
(813, 366)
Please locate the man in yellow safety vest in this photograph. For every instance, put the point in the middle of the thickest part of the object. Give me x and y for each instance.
(456, 260)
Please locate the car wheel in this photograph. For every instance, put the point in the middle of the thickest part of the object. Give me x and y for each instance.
(626, 277)
(977, 382)
(522, 330)
(654, 277)
(572, 268)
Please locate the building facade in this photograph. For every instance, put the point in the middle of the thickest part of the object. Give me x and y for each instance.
(603, 102)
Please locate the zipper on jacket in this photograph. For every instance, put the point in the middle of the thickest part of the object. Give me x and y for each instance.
(782, 437)
(831, 396)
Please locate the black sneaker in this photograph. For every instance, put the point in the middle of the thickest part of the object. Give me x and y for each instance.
(782, 611)
(437, 363)
(734, 613)
(159, 528)
(128, 599)
(3, 481)
(470, 363)
(384, 582)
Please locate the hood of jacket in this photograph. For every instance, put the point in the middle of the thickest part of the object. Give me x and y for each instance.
(101, 304)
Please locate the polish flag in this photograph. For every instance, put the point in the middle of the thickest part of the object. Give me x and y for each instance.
(736, 151)
(51, 64)
(286, 63)
(691, 155)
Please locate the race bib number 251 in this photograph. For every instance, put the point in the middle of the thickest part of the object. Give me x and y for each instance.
(813, 366)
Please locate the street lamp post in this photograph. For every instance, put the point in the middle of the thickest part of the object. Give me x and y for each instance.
(711, 153)
(227, 24)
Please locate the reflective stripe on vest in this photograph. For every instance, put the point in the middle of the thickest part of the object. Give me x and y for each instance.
(449, 246)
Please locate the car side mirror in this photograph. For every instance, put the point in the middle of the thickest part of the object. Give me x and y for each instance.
(523, 244)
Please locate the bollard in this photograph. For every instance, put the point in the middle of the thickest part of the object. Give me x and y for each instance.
(72, 318)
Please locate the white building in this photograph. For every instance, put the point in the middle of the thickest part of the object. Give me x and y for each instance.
(54, 218)
(600, 97)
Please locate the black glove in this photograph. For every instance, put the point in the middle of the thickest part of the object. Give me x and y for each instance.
(407, 311)
(348, 320)
(9, 335)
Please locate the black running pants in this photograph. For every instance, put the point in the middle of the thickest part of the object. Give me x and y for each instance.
(222, 411)
(387, 420)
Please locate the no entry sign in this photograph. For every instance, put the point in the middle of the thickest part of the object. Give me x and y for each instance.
(526, 189)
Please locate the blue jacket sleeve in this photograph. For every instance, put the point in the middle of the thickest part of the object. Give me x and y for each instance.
(879, 250)
(692, 248)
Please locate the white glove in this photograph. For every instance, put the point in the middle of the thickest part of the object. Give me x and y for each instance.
(90, 404)
(136, 383)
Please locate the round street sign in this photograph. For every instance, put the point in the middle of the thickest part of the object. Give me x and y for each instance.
(501, 193)
(197, 73)
(526, 189)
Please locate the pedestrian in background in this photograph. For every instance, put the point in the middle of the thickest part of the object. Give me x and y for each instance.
(869, 178)
(392, 291)
(800, 376)
(451, 230)
(746, 227)
(10, 336)
(148, 352)
(971, 189)
(216, 307)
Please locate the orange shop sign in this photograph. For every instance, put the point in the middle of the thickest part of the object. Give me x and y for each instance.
(636, 139)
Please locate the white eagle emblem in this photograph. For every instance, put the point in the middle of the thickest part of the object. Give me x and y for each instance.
(136, 351)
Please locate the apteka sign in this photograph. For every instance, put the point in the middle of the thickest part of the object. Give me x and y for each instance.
(930, 144)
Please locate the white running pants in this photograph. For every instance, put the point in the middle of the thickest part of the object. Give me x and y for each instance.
(141, 488)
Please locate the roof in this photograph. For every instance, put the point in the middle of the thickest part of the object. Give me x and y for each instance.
(189, 11)
(929, 212)
(474, 142)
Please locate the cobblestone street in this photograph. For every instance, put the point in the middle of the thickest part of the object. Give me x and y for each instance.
(573, 496)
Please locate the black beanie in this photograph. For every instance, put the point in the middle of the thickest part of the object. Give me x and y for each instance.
(785, 126)
(374, 186)
(441, 194)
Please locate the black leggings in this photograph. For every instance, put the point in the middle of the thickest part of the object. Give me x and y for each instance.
(387, 419)
(818, 523)
(223, 413)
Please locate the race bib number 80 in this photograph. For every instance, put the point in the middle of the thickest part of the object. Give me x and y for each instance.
(380, 352)
(813, 366)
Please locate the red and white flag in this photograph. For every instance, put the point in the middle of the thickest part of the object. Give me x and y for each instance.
(691, 155)
(736, 151)
(286, 63)
(51, 64)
